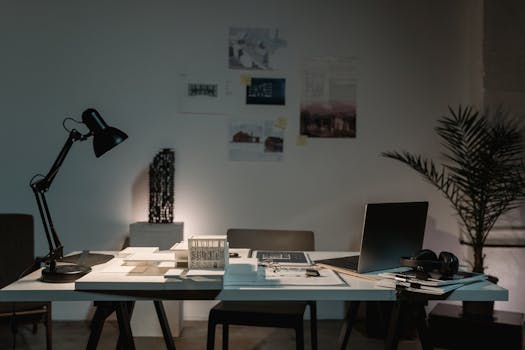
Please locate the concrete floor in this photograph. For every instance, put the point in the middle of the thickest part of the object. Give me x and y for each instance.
(74, 336)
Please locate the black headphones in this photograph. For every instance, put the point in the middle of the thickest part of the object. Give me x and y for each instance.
(427, 261)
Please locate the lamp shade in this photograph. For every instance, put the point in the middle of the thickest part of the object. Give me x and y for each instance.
(105, 137)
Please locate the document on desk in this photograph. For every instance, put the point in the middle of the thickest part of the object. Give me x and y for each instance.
(410, 287)
(408, 281)
(435, 279)
(292, 276)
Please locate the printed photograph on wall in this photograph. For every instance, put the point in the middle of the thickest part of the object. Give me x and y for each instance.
(328, 97)
(252, 48)
(255, 141)
(266, 91)
(204, 94)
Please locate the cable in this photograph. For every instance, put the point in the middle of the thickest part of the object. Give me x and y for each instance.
(73, 120)
(37, 261)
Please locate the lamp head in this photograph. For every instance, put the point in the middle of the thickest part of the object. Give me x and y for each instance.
(105, 137)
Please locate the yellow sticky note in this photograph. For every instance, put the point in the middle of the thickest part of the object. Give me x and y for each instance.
(281, 123)
(301, 140)
(246, 79)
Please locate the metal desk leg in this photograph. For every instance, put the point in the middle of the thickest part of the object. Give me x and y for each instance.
(123, 310)
(348, 323)
(417, 309)
(159, 307)
(420, 315)
(104, 309)
(130, 306)
(392, 337)
(313, 324)
(124, 319)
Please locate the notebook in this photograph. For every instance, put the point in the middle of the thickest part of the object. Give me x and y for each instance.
(390, 231)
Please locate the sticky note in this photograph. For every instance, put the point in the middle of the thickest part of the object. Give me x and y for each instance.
(246, 79)
(301, 140)
(281, 123)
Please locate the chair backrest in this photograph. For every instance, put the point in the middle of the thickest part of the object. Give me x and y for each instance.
(17, 246)
(258, 239)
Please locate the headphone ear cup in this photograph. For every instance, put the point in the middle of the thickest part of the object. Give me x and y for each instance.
(449, 263)
(426, 255)
(426, 260)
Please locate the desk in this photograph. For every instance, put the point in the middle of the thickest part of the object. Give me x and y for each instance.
(115, 287)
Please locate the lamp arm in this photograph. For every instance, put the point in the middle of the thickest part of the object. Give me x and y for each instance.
(44, 184)
(41, 186)
(55, 246)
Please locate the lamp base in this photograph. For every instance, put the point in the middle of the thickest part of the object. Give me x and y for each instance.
(86, 258)
(64, 273)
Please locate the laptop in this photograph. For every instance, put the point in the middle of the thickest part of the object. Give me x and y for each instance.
(390, 231)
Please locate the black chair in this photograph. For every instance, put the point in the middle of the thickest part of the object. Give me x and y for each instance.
(17, 258)
(281, 314)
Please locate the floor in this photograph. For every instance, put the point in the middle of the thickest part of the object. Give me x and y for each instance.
(74, 335)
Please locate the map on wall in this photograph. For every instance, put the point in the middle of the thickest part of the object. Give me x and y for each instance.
(252, 48)
(328, 97)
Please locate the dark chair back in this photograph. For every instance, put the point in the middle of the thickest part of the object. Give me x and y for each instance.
(284, 314)
(17, 256)
(256, 239)
(17, 246)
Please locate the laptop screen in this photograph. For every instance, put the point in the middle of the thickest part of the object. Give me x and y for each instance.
(391, 231)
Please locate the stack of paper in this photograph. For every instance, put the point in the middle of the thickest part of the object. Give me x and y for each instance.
(242, 270)
(437, 286)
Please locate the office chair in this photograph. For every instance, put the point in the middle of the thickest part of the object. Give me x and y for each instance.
(281, 314)
(17, 258)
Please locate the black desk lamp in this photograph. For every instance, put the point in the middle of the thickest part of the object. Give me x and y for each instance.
(104, 138)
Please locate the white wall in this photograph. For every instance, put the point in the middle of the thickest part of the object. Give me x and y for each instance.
(123, 57)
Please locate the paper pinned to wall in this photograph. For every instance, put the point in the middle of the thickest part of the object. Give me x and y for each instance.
(204, 94)
(252, 48)
(251, 140)
(328, 97)
(266, 91)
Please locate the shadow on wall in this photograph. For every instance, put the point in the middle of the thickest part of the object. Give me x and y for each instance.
(139, 196)
(439, 241)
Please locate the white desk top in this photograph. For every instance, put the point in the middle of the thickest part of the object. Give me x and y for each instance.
(356, 289)
(104, 286)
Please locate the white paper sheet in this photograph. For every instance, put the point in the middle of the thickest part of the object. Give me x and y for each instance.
(291, 278)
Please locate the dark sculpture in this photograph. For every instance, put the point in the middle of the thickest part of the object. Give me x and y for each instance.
(161, 187)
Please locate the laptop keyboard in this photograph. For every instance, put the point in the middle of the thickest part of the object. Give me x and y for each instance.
(351, 262)
(347, 262)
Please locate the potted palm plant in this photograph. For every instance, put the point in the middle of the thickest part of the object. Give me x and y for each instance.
(483, 172)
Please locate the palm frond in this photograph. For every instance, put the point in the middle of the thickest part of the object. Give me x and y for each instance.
(483, 175)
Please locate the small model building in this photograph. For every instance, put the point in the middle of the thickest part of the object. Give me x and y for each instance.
(161, 187)
(205, 252)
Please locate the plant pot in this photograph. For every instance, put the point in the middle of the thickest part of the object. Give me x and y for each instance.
(478, 309)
